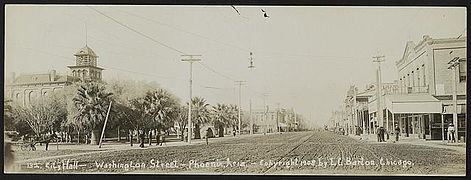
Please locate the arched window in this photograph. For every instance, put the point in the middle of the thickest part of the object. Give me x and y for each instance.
(31, 96)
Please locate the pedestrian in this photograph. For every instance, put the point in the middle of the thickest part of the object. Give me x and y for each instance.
(397, 131)
(383, 131)
(208, 135)
(162, 139)
(451, 133)
(158, 137)
(142, 137)
(378, 134)
(234, 133)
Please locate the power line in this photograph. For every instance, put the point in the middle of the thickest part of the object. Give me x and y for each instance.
(174, 49)
(211, 69)
(142, 34)
(183, 30)
(138, 32)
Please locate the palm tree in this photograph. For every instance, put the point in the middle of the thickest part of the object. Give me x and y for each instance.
(182, 120)
(220, 114)
(92, 102)
(162, 109)
(200, 114)
(233, 116)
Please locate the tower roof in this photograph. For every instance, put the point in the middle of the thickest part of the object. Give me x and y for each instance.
(85, 51)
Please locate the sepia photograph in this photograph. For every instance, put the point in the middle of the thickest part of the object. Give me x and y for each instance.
(235, 90)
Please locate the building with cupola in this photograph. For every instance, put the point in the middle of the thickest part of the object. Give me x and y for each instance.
(85, 67)
(26, 87)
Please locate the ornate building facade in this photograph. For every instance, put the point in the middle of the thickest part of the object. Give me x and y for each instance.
(27, 87)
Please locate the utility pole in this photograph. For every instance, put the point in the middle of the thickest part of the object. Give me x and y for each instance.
(240, 83)
(251, 119)
(277, 121)
(190, 59)
(379, 111)
(454, 65)
(265, 111)
(104, 125)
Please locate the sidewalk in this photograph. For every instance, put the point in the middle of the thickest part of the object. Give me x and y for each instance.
(372, 138)
(108, 147)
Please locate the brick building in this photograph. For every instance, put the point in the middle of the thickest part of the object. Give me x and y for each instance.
(26, 87)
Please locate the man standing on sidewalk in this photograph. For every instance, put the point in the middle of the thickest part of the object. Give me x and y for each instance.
(142, 137)
(397, 131)
(451, 133)
(378, 133)
(207, 135)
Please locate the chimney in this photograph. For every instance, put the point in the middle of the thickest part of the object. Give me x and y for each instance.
(53, 75)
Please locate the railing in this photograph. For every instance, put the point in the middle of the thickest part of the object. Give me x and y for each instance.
(412, 90)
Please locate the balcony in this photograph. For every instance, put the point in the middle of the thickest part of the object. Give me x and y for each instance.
(412, 90)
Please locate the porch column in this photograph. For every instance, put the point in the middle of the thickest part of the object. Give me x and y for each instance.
(443, 128)
(387, 120)
(393, 125)
(413, 124)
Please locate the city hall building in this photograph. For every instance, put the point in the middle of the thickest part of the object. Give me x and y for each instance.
(27, 87)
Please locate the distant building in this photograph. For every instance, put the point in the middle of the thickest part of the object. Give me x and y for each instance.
(26, 87)
(265, 120)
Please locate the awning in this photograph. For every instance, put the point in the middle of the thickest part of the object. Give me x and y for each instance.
(461, 109)
(413, 103)
(282, 124)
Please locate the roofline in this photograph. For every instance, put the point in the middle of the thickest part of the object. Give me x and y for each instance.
(86, 66)
(34, 83)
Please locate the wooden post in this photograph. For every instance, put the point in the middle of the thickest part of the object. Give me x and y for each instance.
(443, 128)
(119, 137)
(104, 125)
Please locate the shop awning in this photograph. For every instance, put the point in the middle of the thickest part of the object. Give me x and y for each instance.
(413, 103)
(282, 124)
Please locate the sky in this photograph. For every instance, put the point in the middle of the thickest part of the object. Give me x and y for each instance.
(305, 58)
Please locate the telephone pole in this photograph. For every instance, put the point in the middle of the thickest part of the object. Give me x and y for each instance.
(454, 65)
(277, 121)
(251, 119)
(265, 111)
(240, 83)
(190, 59)
(379, 111)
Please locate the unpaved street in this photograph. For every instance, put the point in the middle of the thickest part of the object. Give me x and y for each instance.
(312, 152)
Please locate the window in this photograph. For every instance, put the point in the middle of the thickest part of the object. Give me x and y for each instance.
(85, 59)
(418, 77)
(462, 71)
(408, 80)
(423, 72)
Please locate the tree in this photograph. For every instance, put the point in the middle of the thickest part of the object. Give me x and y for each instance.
(182, 120)
(8, 120)
(92, 103)
(42, 114)
(200, 114)
(233, 112)
(162, 108)
(127, 112)
(220, 115)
